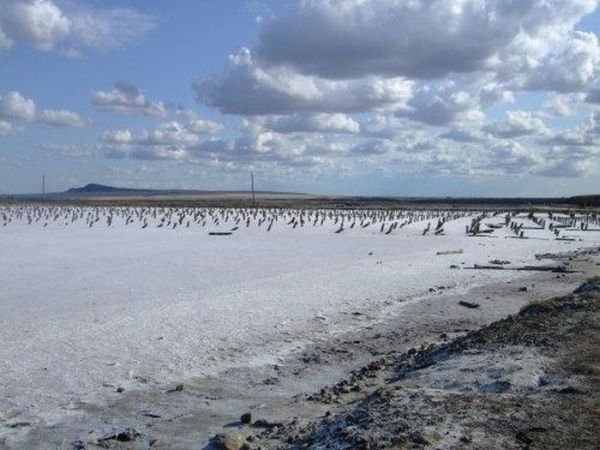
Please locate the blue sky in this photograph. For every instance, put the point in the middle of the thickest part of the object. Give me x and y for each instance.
(373, 97)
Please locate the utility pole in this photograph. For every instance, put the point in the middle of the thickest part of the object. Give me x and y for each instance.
(44, 187)
(252, 184)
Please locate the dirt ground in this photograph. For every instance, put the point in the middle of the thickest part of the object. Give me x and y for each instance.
(530, 381)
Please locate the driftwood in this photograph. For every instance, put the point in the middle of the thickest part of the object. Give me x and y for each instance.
(482, 267)
(449, 252)
(220, 233)
(559, 269)
(468, 304)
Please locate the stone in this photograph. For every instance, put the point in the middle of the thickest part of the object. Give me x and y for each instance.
(231, 441)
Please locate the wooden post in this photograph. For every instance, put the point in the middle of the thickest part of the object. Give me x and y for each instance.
(252, 183)
(44, 187)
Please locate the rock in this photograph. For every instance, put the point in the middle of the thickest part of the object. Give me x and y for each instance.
(178, 388)
(231, 441)
(120, 390)
(127, 435)
(419, 439)
(246, 418)
(523, 289)
(78, 445)
(262, 423)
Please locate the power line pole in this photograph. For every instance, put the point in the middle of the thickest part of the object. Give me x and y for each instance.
(252, 183)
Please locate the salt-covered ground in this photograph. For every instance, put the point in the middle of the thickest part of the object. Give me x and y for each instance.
(126, 305)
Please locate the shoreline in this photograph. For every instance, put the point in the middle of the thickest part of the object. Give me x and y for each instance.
(169, 418)
(360, 411)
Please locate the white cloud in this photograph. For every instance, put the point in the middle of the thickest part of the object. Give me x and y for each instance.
(110, 28)
(125, 98)
(40, 23)
(171, 133)
(443, 107)
(169, 141)
(570, 68)
(194, 123)
(518, 124)
(374, 147)
(5, 127)
(318, 122)
(418, 39)
(564, 104)
(14, 107)
(465, 135)
(161, 153)
(117, 137)
(48, 24)
(248, 88)
(60, 118)
(585, 134)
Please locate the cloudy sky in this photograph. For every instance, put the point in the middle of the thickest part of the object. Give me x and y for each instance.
(374, 97)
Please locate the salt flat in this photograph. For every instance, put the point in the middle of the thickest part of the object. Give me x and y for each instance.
(85, 307)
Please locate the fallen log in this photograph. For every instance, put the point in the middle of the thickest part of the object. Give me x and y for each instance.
(220, 233)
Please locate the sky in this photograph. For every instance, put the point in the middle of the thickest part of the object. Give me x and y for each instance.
(359, 97)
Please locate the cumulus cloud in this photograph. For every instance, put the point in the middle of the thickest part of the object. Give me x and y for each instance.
(248, 88)
(60, 118)
(511, 157)
(518, 124)
(47, 24)
(318, 122)
(160, 153)
(564, 104)
(585, 134)
(14, 107)
(194, 123)
(168, 141)
(125, 98)
(570, 68)
(443, 107)
(465, 135)
(171, 133)
(119, 137)
(354, 38)
(374, 147)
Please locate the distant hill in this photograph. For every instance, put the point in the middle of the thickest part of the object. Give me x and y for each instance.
(101, 188)
(95, 192)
